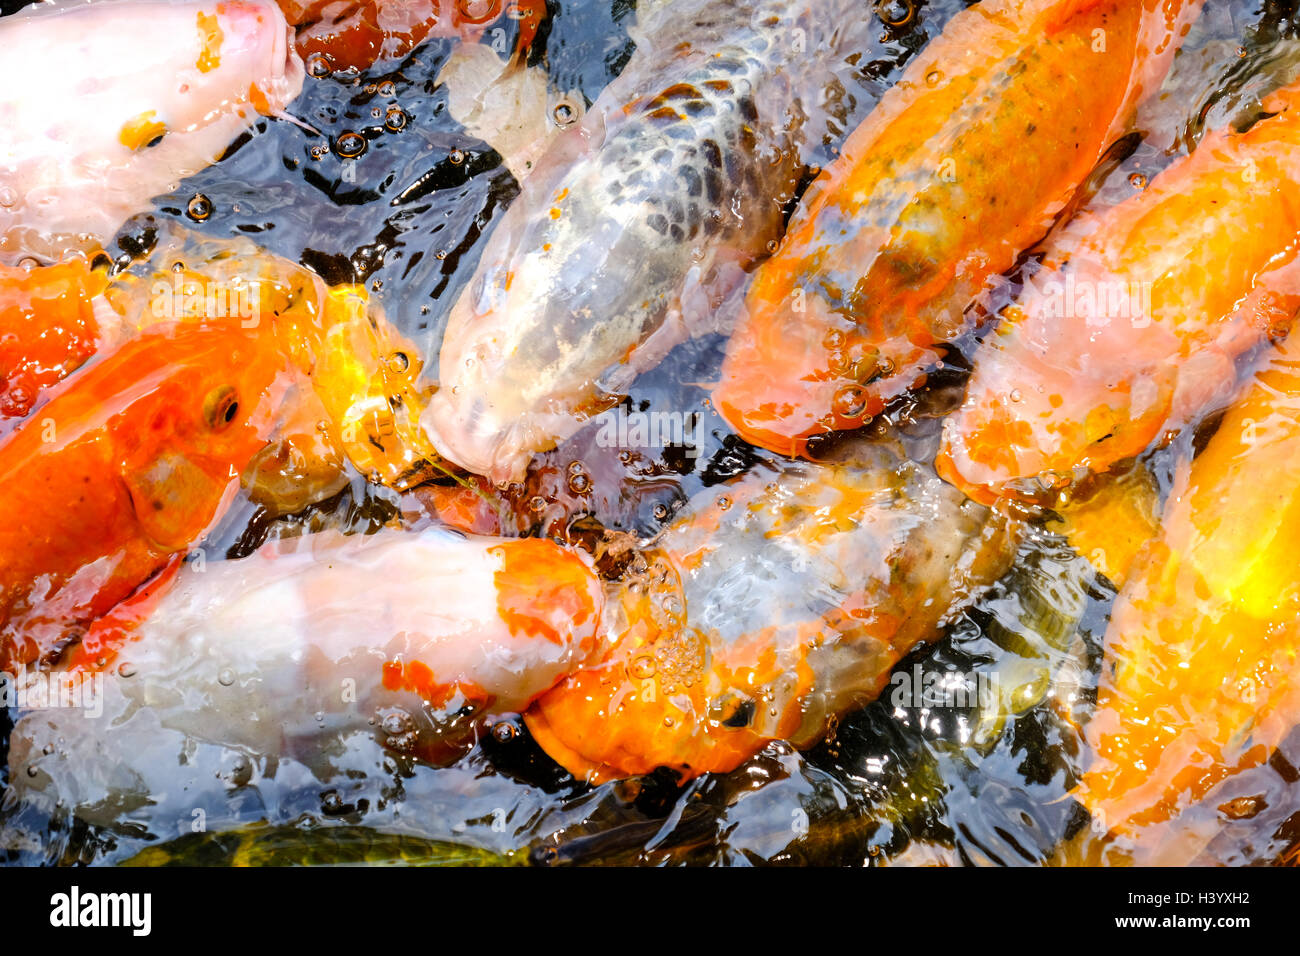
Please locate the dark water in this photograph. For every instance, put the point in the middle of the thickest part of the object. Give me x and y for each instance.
(408, 218)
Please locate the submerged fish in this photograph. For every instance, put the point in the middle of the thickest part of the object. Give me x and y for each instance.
(344, 625)
(48, 329)
(123, 471)
(354, 34)
(637, 221)
(262, 844)
(1204, 645)
(777, 605)
(133, 97)
(1138, 331)
(963, 166)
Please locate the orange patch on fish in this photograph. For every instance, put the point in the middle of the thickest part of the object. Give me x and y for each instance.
(543, 590)
(47, 329)
(210, 39)
(139, 132)
(417, 677)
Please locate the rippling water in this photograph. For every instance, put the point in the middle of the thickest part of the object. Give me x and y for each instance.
(893, 784)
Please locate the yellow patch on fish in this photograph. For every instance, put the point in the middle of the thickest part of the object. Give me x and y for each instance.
(210, 37)
(1112, 521)
(141, 130)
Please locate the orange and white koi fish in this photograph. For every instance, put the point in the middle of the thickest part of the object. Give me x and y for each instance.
(1203, 653)
(962, 166)
(123, 470)
(775, 607)
(1137, 329)
(133, 96)
(430, 617)
(636, 222)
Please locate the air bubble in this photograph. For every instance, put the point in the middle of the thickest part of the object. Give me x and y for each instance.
(456, 157)
(566, 113)
(350, 145)
(850, 401)
(1138, 181)
(199, 208)
(395, 119)
(226, 677)
(896, 13)
(318, 65)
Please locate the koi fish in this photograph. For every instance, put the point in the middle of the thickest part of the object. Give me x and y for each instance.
(636, 222)
(362, 372)
(431, 617)
(962, 166)
(1203, 649)
(134, 96)
(355, 34)
(124, 469)
(773, 608)
(48, 329)
(1138, 331)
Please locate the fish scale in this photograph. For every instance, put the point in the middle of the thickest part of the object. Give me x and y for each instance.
(635, 226)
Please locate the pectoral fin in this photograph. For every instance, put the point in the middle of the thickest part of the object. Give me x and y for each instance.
(175, 500)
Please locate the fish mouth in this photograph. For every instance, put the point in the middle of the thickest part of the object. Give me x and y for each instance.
(473, 438)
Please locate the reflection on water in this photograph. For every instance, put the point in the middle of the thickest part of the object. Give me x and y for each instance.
(907, 779)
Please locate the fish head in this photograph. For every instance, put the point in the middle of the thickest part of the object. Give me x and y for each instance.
(229, 55)
(799, 366)
(1041, 413)
(194, 406)
(135, 96)
(538, 344)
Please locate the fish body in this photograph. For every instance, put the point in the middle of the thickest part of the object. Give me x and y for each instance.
(134, 96)
(48, 329)
(962, 166)
(355, 35)
(125, 468)
(256, 644)
(635, 223)
(779, 604)
(1137, 329)
(1203, 652)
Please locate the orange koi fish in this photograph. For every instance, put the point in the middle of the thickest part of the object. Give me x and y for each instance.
(434, 616)
(355, 34)
(123, 470)
(1203, 652)
(1137, 332)
(774, 608)
(961, 167)
(47, 329)
(363, 372)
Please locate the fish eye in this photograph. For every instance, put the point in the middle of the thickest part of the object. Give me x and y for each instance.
(220, 407)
